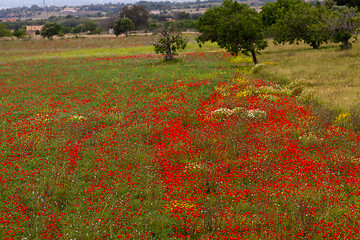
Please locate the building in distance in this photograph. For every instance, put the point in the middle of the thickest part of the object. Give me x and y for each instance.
(33, 29)
(69, 10)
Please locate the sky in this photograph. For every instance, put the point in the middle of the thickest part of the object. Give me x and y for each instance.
(40, 3)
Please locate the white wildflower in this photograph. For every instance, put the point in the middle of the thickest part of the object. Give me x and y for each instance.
(221, 113)
(256, 113)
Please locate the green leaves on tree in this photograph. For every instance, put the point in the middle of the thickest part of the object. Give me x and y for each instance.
(292, 21)
(235, 27)
(170, 43)
(138, 15)
(50, 29)
(123, 26)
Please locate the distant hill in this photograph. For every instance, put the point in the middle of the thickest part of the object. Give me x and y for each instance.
(60, 3)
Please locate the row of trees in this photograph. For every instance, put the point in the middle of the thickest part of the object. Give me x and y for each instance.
(137, 17)
(49, 30)
(67, 25)
(5, 32)
(131, 17)
(295, 20)
(238, 28)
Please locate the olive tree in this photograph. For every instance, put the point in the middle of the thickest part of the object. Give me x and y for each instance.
(171, 41)
(303, 22)
(272, 12)
(344, 23)
(138, 15)
(235, 27)
(123, 25)
(50, 29)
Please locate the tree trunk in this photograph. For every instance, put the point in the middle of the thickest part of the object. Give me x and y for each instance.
(168, 53)
(167, 45)
(314, 45)
(253, 54)
(346, 44)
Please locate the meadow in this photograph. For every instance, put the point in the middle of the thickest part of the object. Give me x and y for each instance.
(329, 74)
(102, 139)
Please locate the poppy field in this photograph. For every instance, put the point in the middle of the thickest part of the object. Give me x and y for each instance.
(131, 147)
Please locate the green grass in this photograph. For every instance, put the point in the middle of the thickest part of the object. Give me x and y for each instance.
(328, 74)
(93, 46)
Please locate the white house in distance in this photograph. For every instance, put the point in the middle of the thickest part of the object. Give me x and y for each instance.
(155, 12)
(69, 10)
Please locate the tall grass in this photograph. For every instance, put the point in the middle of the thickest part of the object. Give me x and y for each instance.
(328, 74)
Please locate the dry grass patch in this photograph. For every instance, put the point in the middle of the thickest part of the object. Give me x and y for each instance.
(329, 74)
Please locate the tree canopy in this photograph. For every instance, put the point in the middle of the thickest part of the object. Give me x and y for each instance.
(19, 33)
(50, 29)
(235, 27)
(271, 12)
(138, 15)
(123, 25)
(4, 30)
(91, 27)
(171, 42)
(302, 22)
(295, 20)
(344, 23)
